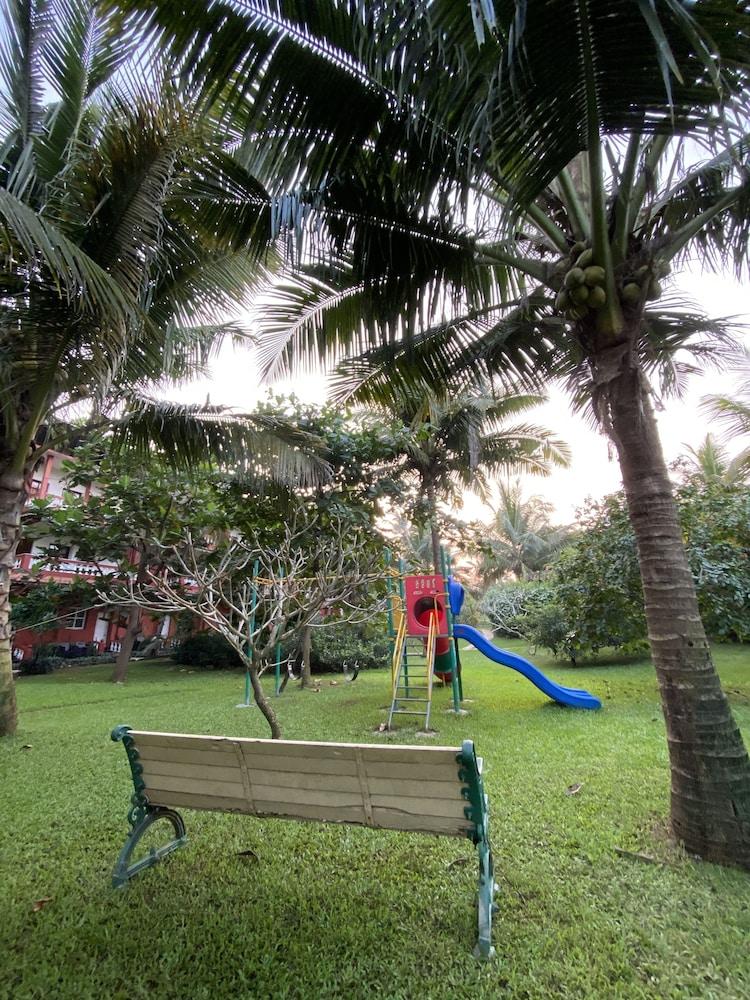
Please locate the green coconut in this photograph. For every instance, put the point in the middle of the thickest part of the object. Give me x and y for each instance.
(643, 274)
(631, 293)
(654, 290)
(594, 275)
(579, 294)
(574, 277)
(597, 297)
(562, 301)
(586, 258)
(577, 249)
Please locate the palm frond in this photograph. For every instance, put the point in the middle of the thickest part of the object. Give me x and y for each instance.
(250, 443)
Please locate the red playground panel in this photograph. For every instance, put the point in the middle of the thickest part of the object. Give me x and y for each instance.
(424, 595)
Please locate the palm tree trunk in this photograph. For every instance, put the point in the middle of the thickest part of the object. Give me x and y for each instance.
(437, 560)
(710, 805)
(12, 497)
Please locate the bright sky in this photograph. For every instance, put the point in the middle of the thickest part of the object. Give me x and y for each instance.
(594, 471)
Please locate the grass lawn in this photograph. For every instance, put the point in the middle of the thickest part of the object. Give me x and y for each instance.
(326, 911)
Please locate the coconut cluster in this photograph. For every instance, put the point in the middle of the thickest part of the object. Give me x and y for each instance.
(581, 283)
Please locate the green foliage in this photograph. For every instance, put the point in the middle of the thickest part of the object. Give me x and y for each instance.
(208, 651)
(594, 595)
(715, 518)
(473, 613)
(44, 605)
(336, 646)
(506, 606)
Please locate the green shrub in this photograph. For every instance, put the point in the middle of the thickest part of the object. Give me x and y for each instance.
(507, 605)
(335, 645)
(208, 651)
(42, 665)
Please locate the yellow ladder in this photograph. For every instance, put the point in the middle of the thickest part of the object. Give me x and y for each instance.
(412, 673)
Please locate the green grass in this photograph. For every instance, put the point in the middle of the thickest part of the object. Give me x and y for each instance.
(326, 911)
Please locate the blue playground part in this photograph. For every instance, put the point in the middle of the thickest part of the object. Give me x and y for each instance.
(574, 697)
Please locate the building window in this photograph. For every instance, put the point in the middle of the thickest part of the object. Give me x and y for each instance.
(76, 620)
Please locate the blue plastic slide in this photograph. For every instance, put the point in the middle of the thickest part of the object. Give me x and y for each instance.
(573, 697)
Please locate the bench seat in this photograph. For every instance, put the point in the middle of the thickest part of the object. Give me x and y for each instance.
(434, 790)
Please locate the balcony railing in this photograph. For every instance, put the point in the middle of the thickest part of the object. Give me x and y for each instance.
(74, 567)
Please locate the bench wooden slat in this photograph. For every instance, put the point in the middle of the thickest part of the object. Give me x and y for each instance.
(421, 807)
(388, 819)
(299, 765)
(207, 758)
(412, 772)
(415, 789)
(199, 772)
(230, 789)
(299, 747)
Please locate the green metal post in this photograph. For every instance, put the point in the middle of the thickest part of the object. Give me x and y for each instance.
(455, 681)
(453, 641)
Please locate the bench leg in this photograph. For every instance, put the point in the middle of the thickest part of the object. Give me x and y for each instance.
(123, 870)
(485, 903)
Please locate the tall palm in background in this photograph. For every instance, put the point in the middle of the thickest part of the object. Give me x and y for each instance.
(497, 190)
(713, 463)
(463, 443)
(127, 232)
(733, 412)
(521, 539)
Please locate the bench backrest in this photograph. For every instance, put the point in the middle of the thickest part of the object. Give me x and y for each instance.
(391, 787)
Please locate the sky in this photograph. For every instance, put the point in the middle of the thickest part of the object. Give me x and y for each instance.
(594, 472)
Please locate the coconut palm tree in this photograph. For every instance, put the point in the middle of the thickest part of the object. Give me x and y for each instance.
(733, 412)
(127, 233)
(505, 186)
(450, 445)
(711, 461)
(521, 538)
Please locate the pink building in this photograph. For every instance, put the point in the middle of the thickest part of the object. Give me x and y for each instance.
(83, 631)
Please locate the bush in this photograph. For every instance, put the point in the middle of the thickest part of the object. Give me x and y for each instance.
(336, 645)
(207, 651)
(507, 605)
(472, 612)
(41, 665)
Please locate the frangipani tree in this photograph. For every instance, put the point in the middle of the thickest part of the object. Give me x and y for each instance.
(257, 595)
(504, 186)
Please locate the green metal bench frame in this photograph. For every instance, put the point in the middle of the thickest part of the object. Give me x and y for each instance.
(142, 815)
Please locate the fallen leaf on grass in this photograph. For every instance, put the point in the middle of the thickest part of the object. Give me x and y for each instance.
(456, 862)
(574, 789)
(249, 854)
(638, 856)
(27, 746)
(333, 683)
(39, 904)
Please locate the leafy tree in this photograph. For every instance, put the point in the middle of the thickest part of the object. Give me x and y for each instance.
(595, 146)
(594, 596)
(128, 233)
(521, 540)
(133, 510)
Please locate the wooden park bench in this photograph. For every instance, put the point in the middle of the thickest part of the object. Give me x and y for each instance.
(435, 790)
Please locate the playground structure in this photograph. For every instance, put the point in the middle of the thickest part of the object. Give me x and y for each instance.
(424, 628)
